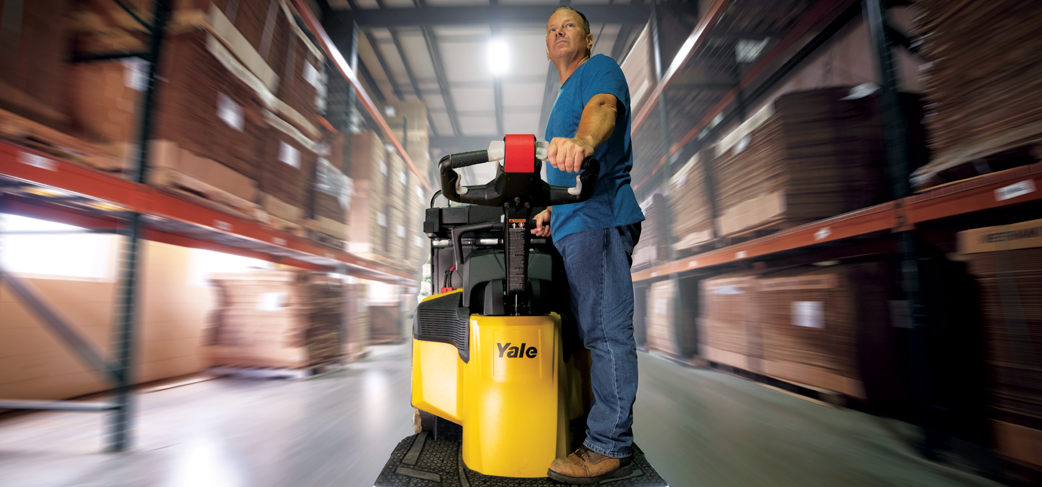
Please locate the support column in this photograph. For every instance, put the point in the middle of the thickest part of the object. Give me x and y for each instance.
(895, 138)
(126, 292)
(665, 174)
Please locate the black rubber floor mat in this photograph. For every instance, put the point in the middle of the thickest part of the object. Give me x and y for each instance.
(423, 461)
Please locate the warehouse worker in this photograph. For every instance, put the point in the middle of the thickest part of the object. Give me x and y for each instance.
(591, 117)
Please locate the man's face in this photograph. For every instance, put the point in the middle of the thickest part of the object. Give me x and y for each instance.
(565, 37)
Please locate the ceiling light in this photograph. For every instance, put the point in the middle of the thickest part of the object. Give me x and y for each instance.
(747, 50)
(498, 57)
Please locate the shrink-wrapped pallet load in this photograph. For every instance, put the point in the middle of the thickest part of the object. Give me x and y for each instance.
(983, 75)
(331, 189)
(690, 204)
(810, 155)
(280, 319)
(1007, 262)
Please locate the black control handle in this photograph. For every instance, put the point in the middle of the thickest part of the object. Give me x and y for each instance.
(507, 186)
(585, 183)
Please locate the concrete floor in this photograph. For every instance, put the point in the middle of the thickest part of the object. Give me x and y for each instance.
(699, 428)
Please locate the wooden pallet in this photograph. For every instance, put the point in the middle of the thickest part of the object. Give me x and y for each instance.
(755, 232)
(203, 192)
(817, 395)
(40, 137)
(263, 373)
(327, 240)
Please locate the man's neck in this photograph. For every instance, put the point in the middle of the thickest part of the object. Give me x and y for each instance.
(566, 68)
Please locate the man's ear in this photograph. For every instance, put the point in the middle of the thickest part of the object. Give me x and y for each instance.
(589, 42)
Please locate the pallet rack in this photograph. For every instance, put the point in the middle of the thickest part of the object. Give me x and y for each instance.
(903, 226)
(39, 185)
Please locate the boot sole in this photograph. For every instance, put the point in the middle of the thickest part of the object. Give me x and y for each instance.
(619, 472)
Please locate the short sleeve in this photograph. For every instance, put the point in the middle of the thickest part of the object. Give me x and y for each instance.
(605, 76)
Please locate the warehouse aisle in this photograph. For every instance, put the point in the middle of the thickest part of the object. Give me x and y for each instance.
(699, 428)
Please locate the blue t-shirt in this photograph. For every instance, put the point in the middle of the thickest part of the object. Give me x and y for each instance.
(613, 203)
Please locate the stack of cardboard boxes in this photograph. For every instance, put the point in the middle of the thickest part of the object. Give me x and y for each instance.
(409, 124)
(810, 155)
(283, 319)
(237, 108)
(367, 218)
(983, 110)
(1007, 262)
(823, 327)
(690, 204)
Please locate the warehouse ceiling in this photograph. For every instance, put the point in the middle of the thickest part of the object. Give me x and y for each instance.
(437, 51)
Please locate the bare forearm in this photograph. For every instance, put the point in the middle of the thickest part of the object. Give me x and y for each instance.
(595, 126)
(597, 123)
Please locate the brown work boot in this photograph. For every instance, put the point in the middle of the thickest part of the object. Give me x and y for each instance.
(587, 467)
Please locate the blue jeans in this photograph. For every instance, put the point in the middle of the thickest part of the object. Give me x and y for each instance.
(597, 264)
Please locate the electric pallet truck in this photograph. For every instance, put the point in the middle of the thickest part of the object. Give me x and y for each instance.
(499, 378)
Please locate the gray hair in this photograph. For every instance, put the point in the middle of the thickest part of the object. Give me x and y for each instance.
(586, 23)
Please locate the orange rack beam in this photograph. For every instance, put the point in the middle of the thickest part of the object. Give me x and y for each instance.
(168, 218)
(978, 194)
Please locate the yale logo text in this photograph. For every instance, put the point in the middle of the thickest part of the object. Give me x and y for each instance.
(516, 352)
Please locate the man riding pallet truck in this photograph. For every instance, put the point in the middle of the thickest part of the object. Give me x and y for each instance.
(496, 354)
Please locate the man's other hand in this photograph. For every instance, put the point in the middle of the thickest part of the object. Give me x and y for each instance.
(568, 154)
(542, 223)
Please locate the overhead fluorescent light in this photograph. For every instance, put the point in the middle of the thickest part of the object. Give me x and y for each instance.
(498, 57)
(746, 51)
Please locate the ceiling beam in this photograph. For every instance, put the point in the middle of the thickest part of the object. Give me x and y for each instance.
(383, 65)
(405, 62)
(443, 80)
(368, 77)
(750, 35)
(494, 14)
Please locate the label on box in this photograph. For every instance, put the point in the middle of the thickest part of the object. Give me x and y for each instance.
(135, 73)
(743, 143)
(289, 155)
(661, 306)
(271, 301)
(230, 112)
(381, 219)
(419, 193)
(401, 231)
(383, 168)
(417, 240)
(810, 314)
(402, 178)
(311, 74)
(1017, 189)
(1024, 235)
